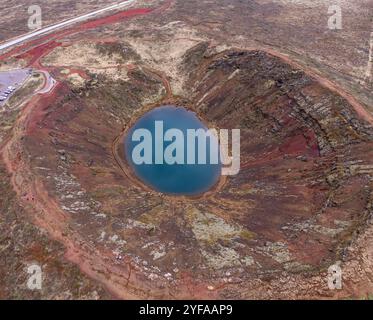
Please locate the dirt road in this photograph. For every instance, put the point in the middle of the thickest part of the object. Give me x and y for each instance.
(63, 24)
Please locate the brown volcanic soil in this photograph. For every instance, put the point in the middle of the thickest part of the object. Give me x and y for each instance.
(301, 202)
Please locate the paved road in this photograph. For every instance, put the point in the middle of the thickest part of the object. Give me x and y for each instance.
(60, 25)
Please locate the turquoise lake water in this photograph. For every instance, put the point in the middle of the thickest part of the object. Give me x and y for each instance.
(177, 179)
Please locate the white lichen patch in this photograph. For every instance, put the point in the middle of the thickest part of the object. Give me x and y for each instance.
(311, 226)
(73, 198)
(117, 240)
(131, 224)
(222, 257)
(65, 71)
(278, 251)
(76, 80)
(210, 228)
(157, 250)
(247, 261)
(157, 254)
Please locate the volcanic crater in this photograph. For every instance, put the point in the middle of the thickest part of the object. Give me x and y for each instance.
(302, 194)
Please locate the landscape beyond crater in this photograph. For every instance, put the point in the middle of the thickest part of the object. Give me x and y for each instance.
(301, 202)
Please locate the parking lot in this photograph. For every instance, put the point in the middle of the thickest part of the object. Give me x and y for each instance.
(10, 81)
